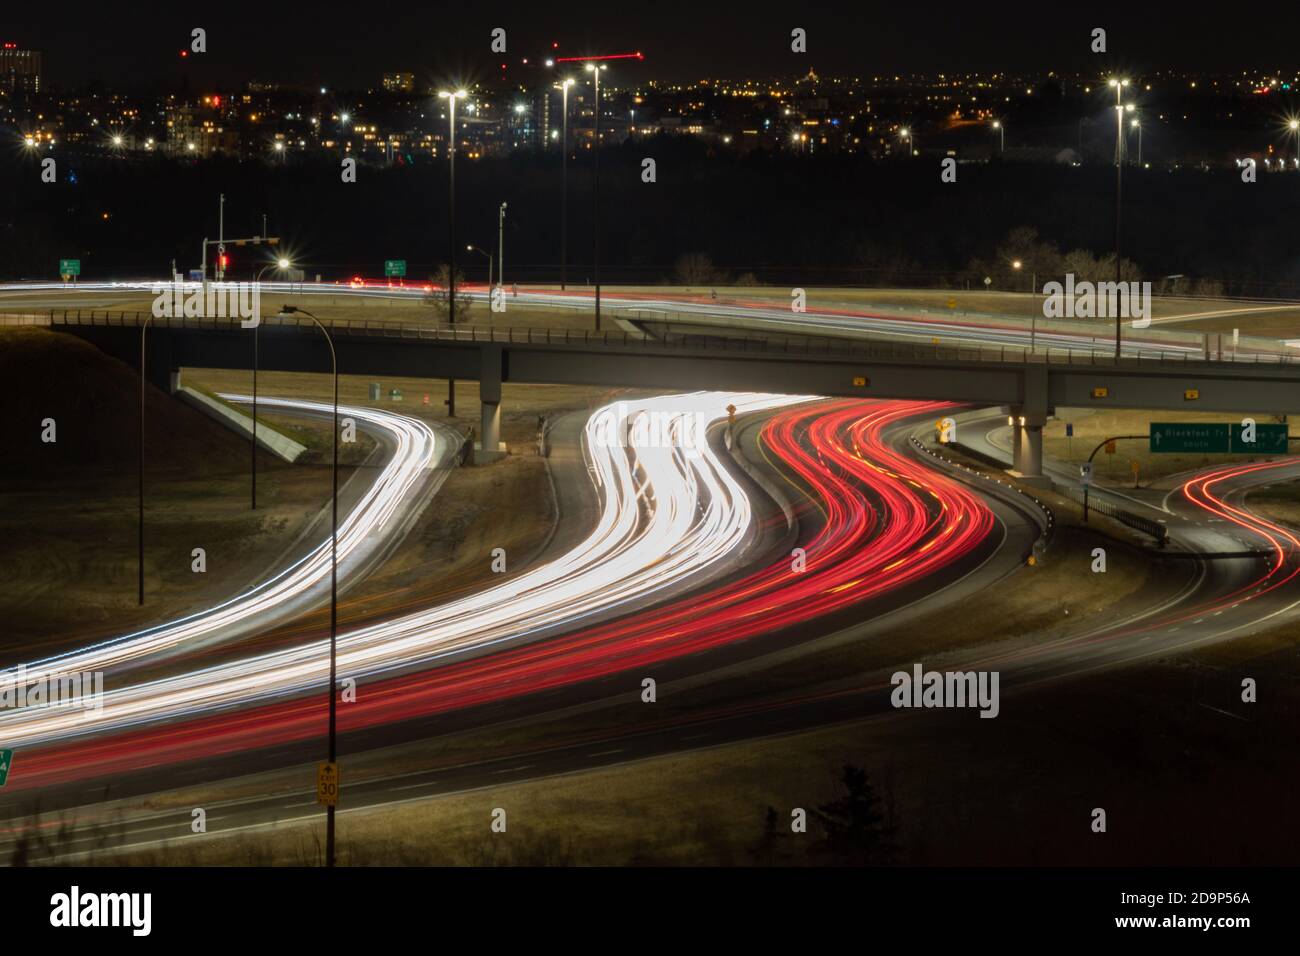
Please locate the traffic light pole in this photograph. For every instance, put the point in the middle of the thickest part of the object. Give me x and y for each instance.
(1104, 442)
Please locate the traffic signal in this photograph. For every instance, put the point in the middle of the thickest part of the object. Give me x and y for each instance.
(223, 260)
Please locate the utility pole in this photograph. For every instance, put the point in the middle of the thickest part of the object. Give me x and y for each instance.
(501, 249)
(221, 239)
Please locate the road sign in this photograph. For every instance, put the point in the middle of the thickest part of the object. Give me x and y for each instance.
(731, 414)
(395, 268)
(860, 381)
(1110, 448)
(1069, 429)
(1269, 440)
(1206, 438)
(1100, 392)
(1191, 394)
(1085, 473)
(69, 267)
(6, 761)
(327, 784)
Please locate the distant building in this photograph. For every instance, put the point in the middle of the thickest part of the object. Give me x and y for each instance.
(399, 82)
(20, 70)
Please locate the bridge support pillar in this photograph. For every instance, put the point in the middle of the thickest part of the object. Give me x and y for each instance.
(1028, 447)
(489, 447)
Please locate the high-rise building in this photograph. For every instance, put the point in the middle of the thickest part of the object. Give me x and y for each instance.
(399, 82)
(20, 70)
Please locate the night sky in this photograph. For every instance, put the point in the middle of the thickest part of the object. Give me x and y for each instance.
(350, 45)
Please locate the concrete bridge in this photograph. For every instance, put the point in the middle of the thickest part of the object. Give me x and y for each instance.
(1029, 385)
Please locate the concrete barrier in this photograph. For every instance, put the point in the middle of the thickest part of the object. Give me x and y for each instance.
(267, 438)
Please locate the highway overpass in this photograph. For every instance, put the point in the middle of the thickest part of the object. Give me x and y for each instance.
(1030, 385)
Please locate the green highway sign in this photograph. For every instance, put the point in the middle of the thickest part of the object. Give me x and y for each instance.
(1269, 440)
(69, 267)
(1217, 438)
(1205, 438)
(395, 268)
(6, 761)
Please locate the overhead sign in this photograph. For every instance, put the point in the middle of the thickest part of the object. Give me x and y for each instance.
(327, 784)
(1206, 438)
(395, 268)
(69, 267)
(1269, 439)
(6, 761)
(1219, 438)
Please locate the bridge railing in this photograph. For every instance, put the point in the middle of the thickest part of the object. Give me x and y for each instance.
(767, 343)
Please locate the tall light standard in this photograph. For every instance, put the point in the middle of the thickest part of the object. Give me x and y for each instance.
(451, 98)
(287, 310)
(140, 524)
(280, 265)
(594, 69)
(501, 248)
(1119, 85)
(1294, 126)
(564, 182)
(905, 134)
(1136, 124)
(1002, 136)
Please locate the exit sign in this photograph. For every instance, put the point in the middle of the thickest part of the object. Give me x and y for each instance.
(6, 761)
(69, 267)
(1218, 438)
(395, 268)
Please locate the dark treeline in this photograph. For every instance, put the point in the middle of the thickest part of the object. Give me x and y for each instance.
(778, 219)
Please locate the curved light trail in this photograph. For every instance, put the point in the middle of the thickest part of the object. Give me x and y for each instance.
(417, 448)
(889, 521)
(669, 510)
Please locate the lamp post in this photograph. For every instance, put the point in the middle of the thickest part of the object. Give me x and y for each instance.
(1002, 135)
(451, 97)
(473, 248)
(594, 69)
(1119, 85)
(281, 265)
(501, 248)
(334, 577)
(140, 524)
(564, 182)
(1294, 126)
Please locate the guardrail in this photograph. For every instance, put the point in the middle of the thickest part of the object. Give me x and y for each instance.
(769, 342)
(1138, 523)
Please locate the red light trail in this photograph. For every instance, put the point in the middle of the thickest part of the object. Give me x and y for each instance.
(888, 521)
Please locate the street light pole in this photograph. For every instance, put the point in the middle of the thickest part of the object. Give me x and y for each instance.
(501, 248)
(279, 264)
(1119, 190)
(564, 184)
(140, 524)
(451, 98)
(334, 580)
(473, 248)
(595, 69)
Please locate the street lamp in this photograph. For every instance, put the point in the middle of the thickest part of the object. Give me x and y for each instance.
(1136, 124)
(594, 69)
(1118, 85)
(279, 148)
(451, 98)
(564, 182)
(905, 134)
(1294, 126)
(1002, 136)
(473, 248)
(501, 248)
(280, 264)
(285, 311)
